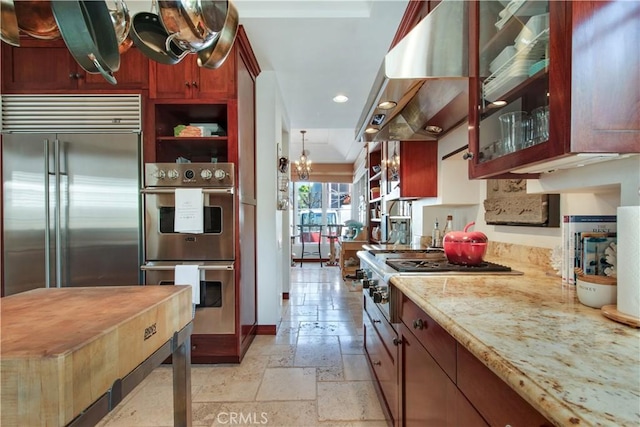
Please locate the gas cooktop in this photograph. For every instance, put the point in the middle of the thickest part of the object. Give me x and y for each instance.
(430, 266)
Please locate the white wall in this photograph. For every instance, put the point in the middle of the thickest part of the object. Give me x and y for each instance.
(272, 243)
(595, 189)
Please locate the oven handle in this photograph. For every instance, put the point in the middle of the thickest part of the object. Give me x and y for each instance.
(227, 190)
(173, 267)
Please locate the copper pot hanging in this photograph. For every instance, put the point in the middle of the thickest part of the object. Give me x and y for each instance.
(35, 18)
(9, 32)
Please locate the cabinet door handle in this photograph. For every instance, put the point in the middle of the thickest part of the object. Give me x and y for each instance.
(397, 341)
(418, 324)
(377, 363)
(467, 156)
(187, 84)
(194, 84)
(377, 321)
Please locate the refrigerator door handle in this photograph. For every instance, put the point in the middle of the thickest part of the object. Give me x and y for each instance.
(47, 219)
(58, 213)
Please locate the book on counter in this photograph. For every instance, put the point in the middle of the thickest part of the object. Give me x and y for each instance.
(572, 240)
(594, 259)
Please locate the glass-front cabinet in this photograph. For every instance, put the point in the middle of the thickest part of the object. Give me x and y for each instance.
(511, 85)
(549, 80)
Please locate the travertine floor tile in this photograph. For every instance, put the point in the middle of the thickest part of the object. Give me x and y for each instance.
(348, 400)
(151, 406)
(288, 384)
(204, 413)
(227, 389)
(338, 314)
(302, 310)
(330, 373)
(316, 354)
(318, 350)
(281, 414)
(355, 367)
(353, 423)
(327, 328)
(351, 344)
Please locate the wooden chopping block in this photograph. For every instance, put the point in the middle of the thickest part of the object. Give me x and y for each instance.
(62, 349)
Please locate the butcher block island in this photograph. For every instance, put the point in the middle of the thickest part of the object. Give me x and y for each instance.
(64, 350)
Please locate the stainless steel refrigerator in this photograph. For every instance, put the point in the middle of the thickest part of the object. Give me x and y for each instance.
(71, 210)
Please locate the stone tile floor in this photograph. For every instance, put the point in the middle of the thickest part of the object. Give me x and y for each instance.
(313, 372)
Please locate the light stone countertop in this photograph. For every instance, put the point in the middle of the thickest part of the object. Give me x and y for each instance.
(567, 360)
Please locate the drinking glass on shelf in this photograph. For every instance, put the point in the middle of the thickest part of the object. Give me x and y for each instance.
(540, 118)
(513, 130)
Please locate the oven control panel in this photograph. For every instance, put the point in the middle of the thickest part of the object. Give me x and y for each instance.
(189, 175)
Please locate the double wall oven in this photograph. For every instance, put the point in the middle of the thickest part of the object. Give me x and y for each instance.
(212, 250)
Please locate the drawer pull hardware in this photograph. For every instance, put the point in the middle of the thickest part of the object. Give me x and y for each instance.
(377, 321)
(377, 363)
(418, 324)
(397, 341)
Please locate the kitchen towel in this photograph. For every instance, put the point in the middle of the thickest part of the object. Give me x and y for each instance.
(189, 274)
(628, 258)
(188, 211)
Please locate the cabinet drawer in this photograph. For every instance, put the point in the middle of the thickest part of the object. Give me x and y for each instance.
(383, 365)
(498, 403)
(382, 327)
(432, 336)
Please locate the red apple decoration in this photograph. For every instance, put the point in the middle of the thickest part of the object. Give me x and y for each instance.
(465, 247)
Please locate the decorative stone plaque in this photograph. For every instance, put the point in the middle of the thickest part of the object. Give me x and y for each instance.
(508, 203)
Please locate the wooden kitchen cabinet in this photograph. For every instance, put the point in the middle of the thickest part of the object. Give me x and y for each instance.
(401, 170)
(484, 389)
(432, 336)
(441, 383)
(429, 396)
(186, 80)
(348, 254)
(39, 66)
(226, 97)
(581, 68)
(375, 185)
(412, 169)
(381, 348)
(168, 148)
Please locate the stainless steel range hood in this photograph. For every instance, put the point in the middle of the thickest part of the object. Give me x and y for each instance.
(426, 74)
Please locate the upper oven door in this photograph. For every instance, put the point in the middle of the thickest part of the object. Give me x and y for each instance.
(164, 244)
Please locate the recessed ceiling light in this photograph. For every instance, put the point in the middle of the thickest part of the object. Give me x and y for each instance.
(371, 129)
(433, 129)
(387, 105)
(340, 99)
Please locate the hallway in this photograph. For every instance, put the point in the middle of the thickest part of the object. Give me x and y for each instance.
(313, 372)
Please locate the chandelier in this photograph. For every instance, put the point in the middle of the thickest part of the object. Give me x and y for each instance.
(394, 165)
(303, 165)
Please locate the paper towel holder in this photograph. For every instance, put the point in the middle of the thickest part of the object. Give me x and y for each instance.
(611, 312)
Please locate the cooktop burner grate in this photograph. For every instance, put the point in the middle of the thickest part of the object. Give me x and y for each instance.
(419, 265)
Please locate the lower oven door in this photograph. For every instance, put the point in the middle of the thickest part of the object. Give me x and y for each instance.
(216, 312)
(162, 242)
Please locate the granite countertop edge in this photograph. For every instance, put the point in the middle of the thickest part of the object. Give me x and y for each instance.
(563, 404)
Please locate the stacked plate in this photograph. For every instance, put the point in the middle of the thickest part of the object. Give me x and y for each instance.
(508, 78)
(513, 8)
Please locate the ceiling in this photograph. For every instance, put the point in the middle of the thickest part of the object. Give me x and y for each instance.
(319, 49)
